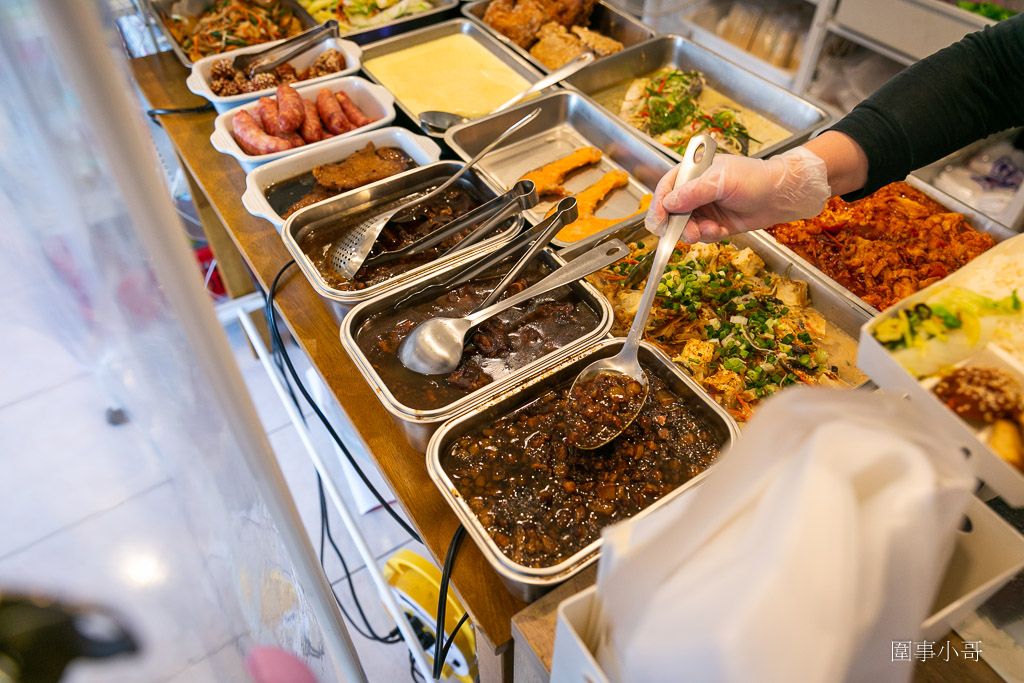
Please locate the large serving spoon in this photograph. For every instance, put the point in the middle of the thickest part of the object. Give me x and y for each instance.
(435, 346)
(351, 250)
(699, 152)
(438, 122)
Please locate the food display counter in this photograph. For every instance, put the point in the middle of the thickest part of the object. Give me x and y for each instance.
(492, 584)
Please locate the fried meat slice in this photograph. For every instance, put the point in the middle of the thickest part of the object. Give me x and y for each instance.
(548, 178)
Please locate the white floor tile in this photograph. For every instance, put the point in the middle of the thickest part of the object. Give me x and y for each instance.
(381, 532)
(58, 448)
(32, 354)
(140, 560)
(224, 666)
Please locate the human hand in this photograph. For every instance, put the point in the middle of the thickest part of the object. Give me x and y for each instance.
(738, 194)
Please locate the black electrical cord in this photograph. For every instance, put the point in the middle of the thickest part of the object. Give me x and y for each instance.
(442, 600)
(276, 336)
(153, 113)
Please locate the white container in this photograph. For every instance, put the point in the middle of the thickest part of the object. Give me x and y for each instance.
(374, 101)
(422, 149)
(878, 363)
(984, 559)
(199, 80)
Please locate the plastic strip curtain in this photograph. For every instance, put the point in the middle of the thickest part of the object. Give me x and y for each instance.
(90, 209)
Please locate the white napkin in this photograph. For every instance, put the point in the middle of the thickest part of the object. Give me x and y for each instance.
(819, 539)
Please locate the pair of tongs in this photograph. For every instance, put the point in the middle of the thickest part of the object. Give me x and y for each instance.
(528, 243)
(255, 62)
(521, 197)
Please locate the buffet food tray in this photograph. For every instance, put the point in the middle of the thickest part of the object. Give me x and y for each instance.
(606, 19)
(447, 28)
(978, 221)
(440, 9)
(879, 364)
(422, 149)
(567, 122)
(528, 583)
(199, 80)
(399, 186)
(373, 100)
(158, 9)
(744, 87)
(419, 425)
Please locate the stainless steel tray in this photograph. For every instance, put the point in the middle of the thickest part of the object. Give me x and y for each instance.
(447, 28)
(528, 583)
(978, 221)
(419, 425)
(158, 9)
(442, 9)
(337, 208)
(606, 19)
(568, 121)
(746, 88)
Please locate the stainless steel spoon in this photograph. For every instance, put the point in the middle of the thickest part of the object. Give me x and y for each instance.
(435, 346)
(437, 122)
(699, 152)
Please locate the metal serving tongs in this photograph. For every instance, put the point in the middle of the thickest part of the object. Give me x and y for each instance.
(350, 251)
(526, 245)
(521, 197)
(252, 63)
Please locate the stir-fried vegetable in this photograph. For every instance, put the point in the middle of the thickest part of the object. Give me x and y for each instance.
(356, 14)
(229, 24)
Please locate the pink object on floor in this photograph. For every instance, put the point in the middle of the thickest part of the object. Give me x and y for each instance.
(273, 665)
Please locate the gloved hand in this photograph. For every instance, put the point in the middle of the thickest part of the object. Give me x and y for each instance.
(738, 194)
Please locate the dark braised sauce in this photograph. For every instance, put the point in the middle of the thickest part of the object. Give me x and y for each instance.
(426, 218)
(499, 346)
(366, 166)
(542, 500)
(600, 407)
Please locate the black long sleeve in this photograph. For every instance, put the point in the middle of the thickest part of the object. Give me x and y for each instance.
(960, 94)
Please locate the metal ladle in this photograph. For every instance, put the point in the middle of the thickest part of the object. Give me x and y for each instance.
(699, 152)
(437, 122)
(435, 346)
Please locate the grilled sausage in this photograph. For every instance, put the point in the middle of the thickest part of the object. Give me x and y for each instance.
(311, 129)
(252, 139)
(290, 112)
(267, 110)
(352, 112)
(333, 117)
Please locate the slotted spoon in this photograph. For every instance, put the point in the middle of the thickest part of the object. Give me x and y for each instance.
(349, 252)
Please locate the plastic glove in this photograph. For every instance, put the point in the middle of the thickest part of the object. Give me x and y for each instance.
(738, 194)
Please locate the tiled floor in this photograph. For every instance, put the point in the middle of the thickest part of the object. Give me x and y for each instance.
(90, 513)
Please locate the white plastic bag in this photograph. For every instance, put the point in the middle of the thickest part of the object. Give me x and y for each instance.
(817, 541)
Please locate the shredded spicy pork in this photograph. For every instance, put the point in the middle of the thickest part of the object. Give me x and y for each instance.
(886, 246)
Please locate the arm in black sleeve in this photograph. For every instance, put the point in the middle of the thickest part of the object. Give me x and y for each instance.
(960, 94)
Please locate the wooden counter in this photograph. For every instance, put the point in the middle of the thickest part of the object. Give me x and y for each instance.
(221, 180)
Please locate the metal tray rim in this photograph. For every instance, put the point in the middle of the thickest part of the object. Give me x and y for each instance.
(587, 555)
(439, 7)
(399, 409)
(355, 296)
(467, 11)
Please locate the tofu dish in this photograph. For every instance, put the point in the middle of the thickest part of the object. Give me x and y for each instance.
(742, 332)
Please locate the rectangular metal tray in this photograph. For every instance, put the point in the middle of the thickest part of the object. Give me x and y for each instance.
(567, 122)
(529, 583)
(443, 9)
(606, 19)
(745, 87)
(447, 28)
(301, 222)
(978, 221)
(158, 9)
(419, 425)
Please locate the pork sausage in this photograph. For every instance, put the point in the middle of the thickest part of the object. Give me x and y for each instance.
(352, 112)
(311, 129)
(267, 110)
(290, 112)
(333, 117)
(251, 139)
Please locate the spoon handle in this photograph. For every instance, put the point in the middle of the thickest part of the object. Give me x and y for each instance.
(697, 158)
(557, 76)
(595, 259)
(566, 213)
